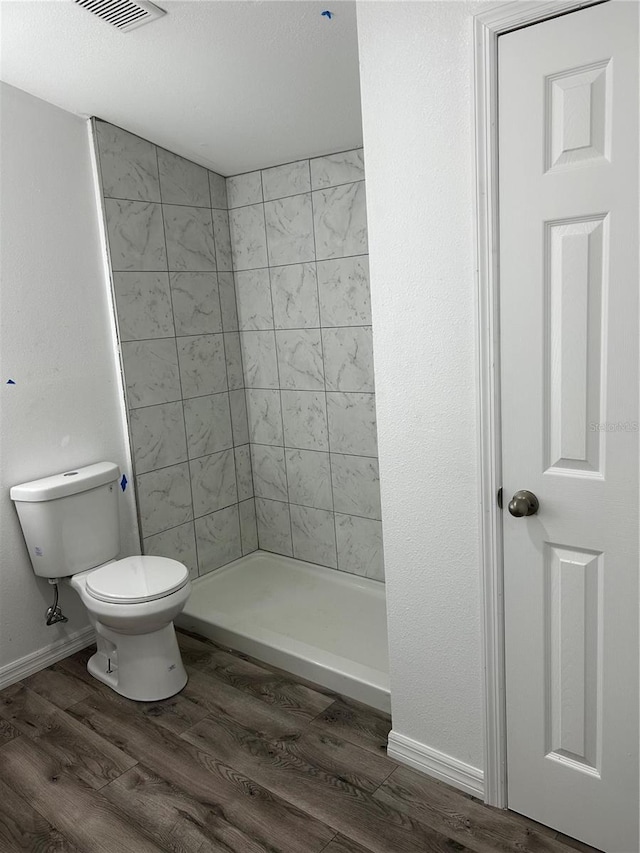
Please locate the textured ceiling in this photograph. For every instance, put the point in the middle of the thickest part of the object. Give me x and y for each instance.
(233, 85)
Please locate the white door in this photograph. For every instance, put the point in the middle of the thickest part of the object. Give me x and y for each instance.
(568, 153)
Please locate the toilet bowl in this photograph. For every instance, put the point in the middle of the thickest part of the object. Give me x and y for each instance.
(132, 604)
(71, 528)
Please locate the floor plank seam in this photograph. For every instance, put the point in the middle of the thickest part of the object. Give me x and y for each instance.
(388, 776)
(115, 778)
(329, 843)
(324, 711)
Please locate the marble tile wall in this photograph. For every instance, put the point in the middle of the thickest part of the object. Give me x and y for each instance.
(170, 249)
(299, 252)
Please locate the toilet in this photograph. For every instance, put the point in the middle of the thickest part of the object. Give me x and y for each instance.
(71, 528)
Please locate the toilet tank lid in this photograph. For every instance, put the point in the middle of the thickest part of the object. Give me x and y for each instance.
(67, 483)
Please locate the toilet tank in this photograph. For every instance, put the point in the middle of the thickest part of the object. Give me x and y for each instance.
(70, 521)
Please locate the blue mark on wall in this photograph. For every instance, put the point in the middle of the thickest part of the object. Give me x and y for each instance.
(327, 14)
(123, 482)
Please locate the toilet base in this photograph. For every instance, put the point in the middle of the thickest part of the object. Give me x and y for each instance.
(144, 667)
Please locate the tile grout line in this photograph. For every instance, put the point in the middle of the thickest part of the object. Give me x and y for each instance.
(324, 378)
(275, 345)
(184, 419)
(282, 328)
(228, 391)
(310, 191)
(228, 388)
(252, 269)
(246, 444)
(289, 162)
(244, 385)
(246, 269)
(167, 203)
(109, 271)
(278, 266)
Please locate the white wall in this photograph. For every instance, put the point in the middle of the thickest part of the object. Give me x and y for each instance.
(56, 343)
(416, 79)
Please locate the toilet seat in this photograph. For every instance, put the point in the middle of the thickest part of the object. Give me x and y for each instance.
(134, 580)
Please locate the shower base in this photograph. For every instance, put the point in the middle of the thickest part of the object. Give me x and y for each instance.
(317, 623)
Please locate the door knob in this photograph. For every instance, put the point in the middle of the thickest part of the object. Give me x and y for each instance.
(523, 503)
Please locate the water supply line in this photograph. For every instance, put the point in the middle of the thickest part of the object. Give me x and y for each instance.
(54, 613)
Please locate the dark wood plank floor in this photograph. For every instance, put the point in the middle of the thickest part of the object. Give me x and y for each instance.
(247, 759)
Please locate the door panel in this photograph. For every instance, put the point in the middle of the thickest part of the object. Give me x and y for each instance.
(574, 294)
(568, 150)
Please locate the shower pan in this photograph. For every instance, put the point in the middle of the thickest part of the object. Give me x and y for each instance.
(326, 626)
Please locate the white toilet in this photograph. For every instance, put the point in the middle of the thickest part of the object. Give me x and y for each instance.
(71, 526)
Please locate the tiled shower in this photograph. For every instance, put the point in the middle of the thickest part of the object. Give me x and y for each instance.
(245, 330)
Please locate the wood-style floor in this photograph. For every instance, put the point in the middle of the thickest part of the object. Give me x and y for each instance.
(246, 759)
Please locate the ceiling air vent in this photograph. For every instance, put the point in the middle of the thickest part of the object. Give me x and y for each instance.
(124, 14)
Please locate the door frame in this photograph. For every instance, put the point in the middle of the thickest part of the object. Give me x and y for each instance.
(488, 26)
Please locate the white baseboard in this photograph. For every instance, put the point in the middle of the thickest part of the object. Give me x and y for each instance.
(438, 764)
(34, 662)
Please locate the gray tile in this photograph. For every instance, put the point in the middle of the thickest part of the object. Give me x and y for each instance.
(309, 478)
(269, 473)
(356, 485)
(305, 420)
(259, 359)
(136, 236)
(208, 423)
(248, 238)
(213, 482)
(239, 421)
(265, 416)
(151, 372)
(181, 181)
(202, 365)
(218, 191)
(340, 221)
(289, 223)
(234, 361)
(196, 304)
(244, 189)
(337, 169)
(253, 294)
(360, 546)
(143, 304)
(189, 233)
(343, 285)
(295, 296)
(352, 423)
(164, 498)
(248, 526)
(348, 358)
(128, 164)
(177, 543)
(218, 539)
(157, 436)
(290, 179)
(274, 527)
(314, 536)
(300, 359)
(244, 474)
(222, 239)
(227, 290)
